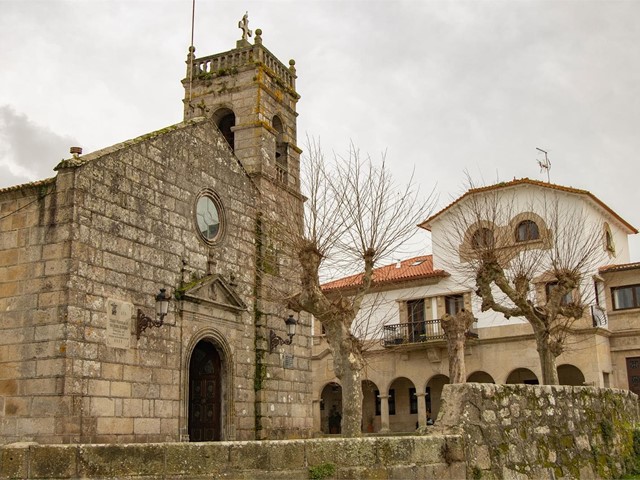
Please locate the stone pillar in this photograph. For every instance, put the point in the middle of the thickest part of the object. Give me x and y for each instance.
(317, 415)
(384, 413)
(422, 409)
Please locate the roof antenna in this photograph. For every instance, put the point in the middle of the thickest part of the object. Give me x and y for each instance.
(544, 164)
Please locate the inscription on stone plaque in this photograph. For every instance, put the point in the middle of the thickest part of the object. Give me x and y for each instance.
(118, 323)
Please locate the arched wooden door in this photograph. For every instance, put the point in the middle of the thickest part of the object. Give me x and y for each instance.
(205, 380)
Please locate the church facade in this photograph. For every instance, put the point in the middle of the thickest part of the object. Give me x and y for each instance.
(187, 219)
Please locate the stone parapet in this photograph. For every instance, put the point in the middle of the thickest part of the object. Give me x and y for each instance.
(410, 457)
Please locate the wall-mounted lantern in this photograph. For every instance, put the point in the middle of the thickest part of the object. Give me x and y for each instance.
(275, 340)
(162, 307)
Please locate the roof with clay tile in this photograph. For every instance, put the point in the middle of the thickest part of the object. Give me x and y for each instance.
(527, 181)
(619, 268)
(406, 270)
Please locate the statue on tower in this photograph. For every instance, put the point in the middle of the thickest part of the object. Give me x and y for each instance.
(244, 26)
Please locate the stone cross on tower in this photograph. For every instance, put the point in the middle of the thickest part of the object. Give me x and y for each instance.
(244, 26)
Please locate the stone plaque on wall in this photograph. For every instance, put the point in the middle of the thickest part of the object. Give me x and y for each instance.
(118, 323)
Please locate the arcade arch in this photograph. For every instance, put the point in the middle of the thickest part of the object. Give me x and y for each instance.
(522, 375)
(403, 405)
(331, 408)
(480, 377)
(570, 375)
(433, 393)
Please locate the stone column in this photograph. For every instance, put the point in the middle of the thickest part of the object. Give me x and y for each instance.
(422, 409)
(384, 413)
(317, 415)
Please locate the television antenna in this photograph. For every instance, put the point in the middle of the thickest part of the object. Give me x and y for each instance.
(544, 164)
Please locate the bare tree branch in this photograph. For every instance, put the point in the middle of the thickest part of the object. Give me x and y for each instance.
(544, 279)
(355, 216)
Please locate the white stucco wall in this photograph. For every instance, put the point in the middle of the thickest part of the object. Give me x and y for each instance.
(580, 213)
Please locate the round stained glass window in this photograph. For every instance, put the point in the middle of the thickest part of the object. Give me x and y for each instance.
(209, 216)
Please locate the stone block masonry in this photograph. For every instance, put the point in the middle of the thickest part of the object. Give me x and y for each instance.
(524, 431)
(92, 247)
(411, 457)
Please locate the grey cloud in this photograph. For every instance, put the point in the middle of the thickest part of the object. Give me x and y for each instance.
(33, 148)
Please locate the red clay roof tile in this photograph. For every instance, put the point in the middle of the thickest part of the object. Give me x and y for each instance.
(411, 269)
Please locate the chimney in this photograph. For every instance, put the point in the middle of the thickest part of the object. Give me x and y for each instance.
(75, 151)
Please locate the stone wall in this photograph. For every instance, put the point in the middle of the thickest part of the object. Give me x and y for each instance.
(366, 458)
(112, 228)
(523, 431)
(35, 247)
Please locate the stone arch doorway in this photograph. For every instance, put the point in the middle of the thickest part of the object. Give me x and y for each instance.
(206, 377)
(331, 408)
(522, 375)
(570, 375)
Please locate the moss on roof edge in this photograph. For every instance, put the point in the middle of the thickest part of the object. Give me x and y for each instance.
(80, 160)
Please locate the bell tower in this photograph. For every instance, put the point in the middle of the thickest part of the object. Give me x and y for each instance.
(252, 98)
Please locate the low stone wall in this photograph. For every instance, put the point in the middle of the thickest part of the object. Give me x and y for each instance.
(483, 431)
(410, 457)
(519, 431)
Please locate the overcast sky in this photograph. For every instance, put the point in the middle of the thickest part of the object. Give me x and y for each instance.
(445, 87)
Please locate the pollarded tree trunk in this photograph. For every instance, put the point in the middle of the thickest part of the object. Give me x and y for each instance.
(547, 352)
(348, 363)
(455, 328)
(337, 316)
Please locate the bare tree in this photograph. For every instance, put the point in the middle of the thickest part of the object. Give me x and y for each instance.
(355, 216)
(532, 260)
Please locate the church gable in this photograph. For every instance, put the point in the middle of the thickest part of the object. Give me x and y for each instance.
(212, 290)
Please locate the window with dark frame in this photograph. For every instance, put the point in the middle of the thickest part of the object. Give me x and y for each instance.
(526, 231)
(413, 401)
(625, 297)
(482, 238)
(415, 317)
(415, 310)
(608, 239)
(567, 297)
(453, 304)
(392, 402)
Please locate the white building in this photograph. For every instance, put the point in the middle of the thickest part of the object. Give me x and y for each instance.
(407, 358)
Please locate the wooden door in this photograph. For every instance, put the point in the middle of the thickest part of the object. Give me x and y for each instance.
(633, 374)
(205, 408)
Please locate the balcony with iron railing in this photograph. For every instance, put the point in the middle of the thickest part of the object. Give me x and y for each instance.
(414, 333)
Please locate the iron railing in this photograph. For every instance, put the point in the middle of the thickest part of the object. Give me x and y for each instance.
(415, 333)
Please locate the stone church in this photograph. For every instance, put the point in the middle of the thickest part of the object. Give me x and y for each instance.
(188, 220)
